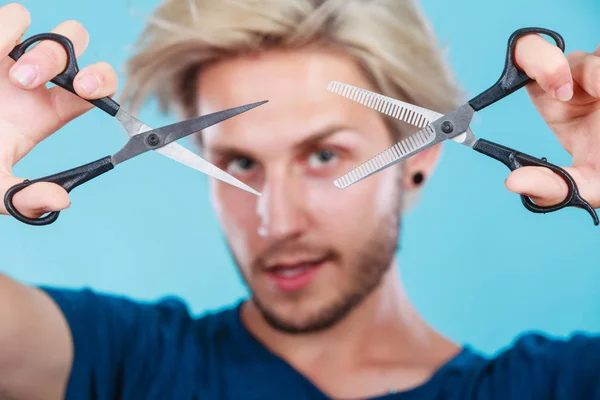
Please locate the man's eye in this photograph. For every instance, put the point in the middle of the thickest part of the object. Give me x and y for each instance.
(240, 165)
(321, 158)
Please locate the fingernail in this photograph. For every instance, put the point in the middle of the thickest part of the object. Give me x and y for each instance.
(25, 74)
(565, 92)
(89, 83)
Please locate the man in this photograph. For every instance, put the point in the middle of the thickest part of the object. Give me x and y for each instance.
(327, 317)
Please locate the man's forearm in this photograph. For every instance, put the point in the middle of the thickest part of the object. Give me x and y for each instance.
(35, 344)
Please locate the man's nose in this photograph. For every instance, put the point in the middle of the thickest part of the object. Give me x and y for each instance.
(281, 209)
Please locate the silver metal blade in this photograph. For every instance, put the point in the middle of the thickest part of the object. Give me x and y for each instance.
(179, 153)
(452, 125)
(192, 160)
(132, 125)
(407, 147)
(156, 138)
(182, 129)
(430, 134)
(406, 112)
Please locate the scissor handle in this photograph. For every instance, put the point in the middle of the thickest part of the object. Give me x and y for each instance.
(512, 77)
(66, 78)
(514, 159)
(69, 180)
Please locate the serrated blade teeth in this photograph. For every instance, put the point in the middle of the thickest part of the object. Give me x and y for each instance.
(406, 147)
(411, 114)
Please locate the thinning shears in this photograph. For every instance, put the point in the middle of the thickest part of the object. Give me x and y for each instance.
(142, 138)
(455, 125)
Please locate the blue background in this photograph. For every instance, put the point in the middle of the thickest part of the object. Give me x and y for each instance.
(476, 264)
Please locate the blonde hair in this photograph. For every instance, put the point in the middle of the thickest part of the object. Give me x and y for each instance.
(390, 40)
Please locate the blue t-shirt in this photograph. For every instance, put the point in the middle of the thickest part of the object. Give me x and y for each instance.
(133, 350)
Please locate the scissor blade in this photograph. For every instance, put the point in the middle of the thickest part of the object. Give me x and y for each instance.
(407, 147)
(406, 112)
(192, 160)
(179, 153)
(182, 129)
(451, 126)
(156, 138)
(131, 124)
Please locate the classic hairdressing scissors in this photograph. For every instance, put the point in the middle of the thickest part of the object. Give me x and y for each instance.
(436, 127)
(142, 138)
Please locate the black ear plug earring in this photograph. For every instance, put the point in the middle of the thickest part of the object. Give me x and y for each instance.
(418, 178)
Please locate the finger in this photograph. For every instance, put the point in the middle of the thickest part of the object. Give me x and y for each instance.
(48, 58)
(95, 81)
(35, 200)
(585, 68)
(92, 82)
(545, 63)
(546, 188)
(542, 185)
(14, 21)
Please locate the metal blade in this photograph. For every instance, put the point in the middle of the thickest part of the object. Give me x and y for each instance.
(452, 125)
(430, 135)
(192, 160)
(179, 153)
(132, 125)
(156, 138)
(406, 112)
(182, 129)
(409, 146)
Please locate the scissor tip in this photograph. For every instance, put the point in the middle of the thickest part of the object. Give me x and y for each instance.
(339, 184)
(250, 190)
(254, 105)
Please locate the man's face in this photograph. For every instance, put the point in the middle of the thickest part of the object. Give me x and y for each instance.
(307, 250)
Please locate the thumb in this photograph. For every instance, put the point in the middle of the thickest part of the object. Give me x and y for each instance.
(544, 187)
(35, 200)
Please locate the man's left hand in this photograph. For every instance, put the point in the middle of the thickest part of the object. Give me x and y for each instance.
(566, 92)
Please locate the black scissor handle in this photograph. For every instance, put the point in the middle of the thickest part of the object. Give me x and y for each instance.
(69, 180)
(512, 77)
(67, 76)
(514, 159)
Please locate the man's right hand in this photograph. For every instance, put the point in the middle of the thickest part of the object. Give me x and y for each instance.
(30, 112)
(36, 347)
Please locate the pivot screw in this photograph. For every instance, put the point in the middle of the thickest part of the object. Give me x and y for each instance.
(447, 127)
(152, 139)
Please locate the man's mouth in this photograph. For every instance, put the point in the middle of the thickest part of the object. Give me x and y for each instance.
(289, 276)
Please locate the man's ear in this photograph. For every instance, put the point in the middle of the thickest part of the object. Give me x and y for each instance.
(418, 168)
